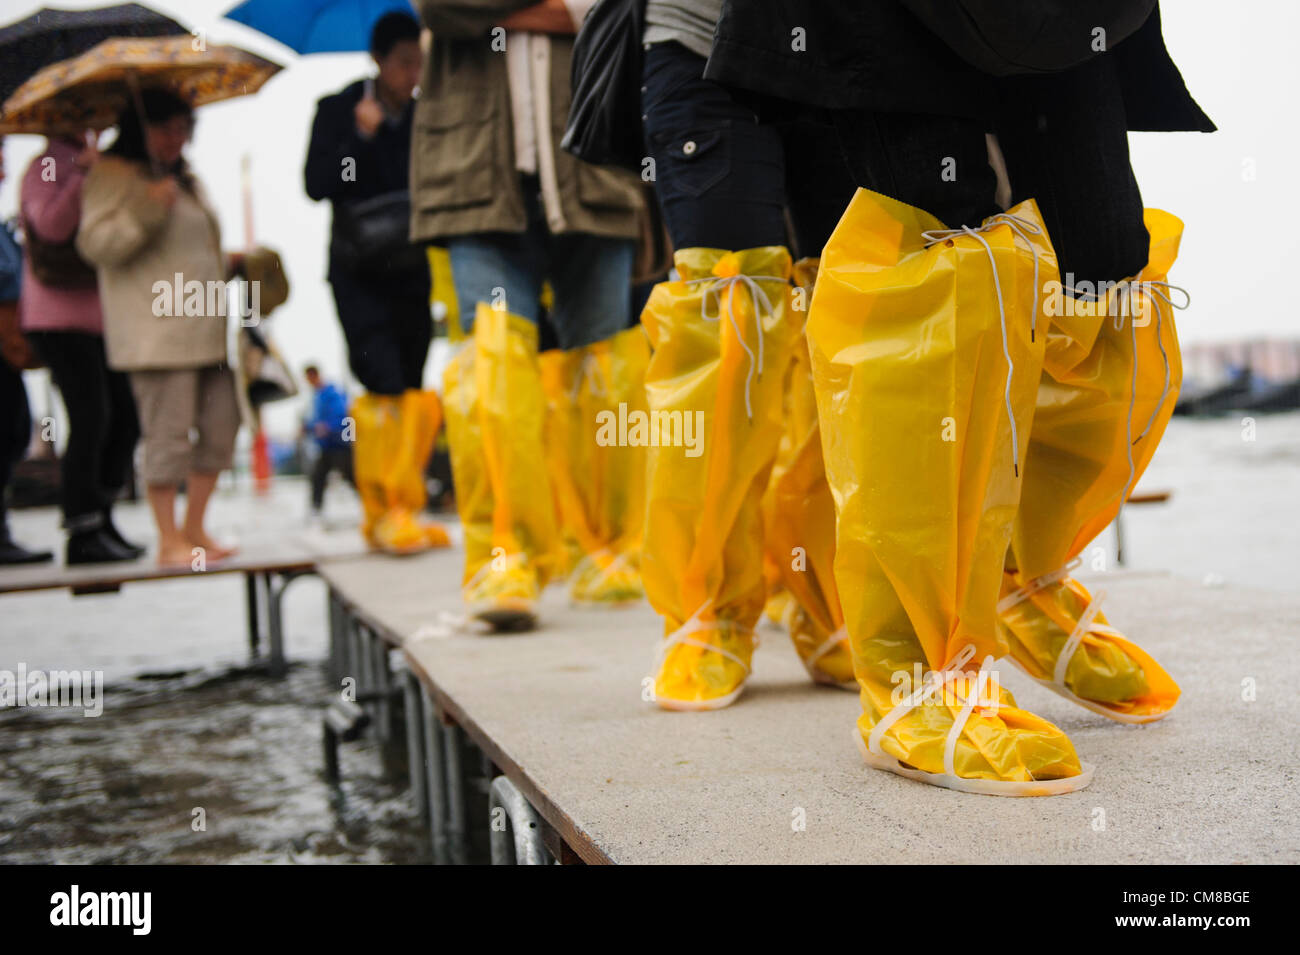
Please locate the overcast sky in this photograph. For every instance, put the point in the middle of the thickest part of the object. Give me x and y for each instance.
(1235, 189)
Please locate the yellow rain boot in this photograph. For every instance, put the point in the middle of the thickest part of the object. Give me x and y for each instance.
(378, 434)
(401, 530)
(926, 359)
(722, 337)
(799, 522)
(1100, 415)
(604, 490)
(494, 408)
(557, 369)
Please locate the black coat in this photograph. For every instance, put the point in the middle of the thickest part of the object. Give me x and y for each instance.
(381, 163)
(875, 55)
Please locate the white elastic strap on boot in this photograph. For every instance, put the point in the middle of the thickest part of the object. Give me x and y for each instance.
(878, 759)
(1021, 229)
(959, 724)
(682, 635)
(694, 624)
(829, 644)
(714, 287)
(616, 562)
(1076, 637)
(1037, 584)
(932, 682)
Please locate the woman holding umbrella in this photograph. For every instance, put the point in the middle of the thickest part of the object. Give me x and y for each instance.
(147, 227)
(61, 316)
(154, 241)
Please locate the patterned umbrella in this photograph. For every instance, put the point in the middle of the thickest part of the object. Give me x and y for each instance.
(90, 91)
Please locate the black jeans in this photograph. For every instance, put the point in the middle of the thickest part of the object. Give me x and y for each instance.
(388, 327)
(330, 459)
(725, 176)
(103, 427)
(15, 431)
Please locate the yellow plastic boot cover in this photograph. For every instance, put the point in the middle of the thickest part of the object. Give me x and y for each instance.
(561, 432)
(402, 530)
(378, 434)
(1098, 422)
(609, 504)
(512, 547)
(799, 520)
(721, 338)
(926, 355)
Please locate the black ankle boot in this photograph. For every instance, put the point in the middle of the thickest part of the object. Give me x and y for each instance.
(111, 530)
(12, 552)
(95, 547)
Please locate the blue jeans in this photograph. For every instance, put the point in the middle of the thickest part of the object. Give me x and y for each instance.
(590, 276)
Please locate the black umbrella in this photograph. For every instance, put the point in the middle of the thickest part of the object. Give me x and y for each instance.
(49, 35)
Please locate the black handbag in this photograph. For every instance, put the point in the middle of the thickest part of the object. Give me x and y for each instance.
(1011, 37)
(604, 126)
(374, 235)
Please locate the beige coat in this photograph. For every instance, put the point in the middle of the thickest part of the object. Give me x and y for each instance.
(139, 248)
(463, 177)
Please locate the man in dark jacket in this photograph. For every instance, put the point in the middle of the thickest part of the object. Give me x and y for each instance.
(358, 158)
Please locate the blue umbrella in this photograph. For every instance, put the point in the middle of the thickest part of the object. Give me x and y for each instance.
(317, 26)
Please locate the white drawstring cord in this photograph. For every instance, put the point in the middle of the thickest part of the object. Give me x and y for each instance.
(1155, 292)
(1022, 229)
(589, 370)
(718, 285)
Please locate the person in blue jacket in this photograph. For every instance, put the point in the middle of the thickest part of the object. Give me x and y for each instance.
(326, 425)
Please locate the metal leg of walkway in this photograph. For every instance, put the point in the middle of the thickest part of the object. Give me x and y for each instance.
(511, 815)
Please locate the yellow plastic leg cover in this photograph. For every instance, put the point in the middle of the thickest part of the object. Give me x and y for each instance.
(561, 431)
(378, 434)
(926, 370)
(722, 337)
(799, 521)
(401, 529)
(494, 408)
(1101, 414)
(601, 492)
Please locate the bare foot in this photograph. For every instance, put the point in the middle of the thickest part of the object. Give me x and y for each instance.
(211, 548)
(177, 553)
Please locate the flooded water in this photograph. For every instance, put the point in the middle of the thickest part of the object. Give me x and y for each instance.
(196, 757)
(188, 735)
(221, 767)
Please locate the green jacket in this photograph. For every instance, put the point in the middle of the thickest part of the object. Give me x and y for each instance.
(463, 176)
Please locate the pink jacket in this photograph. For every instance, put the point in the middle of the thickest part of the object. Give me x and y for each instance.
(51, 204)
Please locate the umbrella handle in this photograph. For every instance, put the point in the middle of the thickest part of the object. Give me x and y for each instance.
(133, 84)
